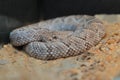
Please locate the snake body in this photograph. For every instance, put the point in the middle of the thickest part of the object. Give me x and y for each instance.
(60, 37)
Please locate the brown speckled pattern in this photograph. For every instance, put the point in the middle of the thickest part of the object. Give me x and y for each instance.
(47, 40)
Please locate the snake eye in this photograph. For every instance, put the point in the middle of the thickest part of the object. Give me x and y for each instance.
(54, 37)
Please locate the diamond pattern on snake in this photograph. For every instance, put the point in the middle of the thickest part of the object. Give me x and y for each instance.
(59, 37)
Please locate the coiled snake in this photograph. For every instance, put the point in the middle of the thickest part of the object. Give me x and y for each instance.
(60, 37)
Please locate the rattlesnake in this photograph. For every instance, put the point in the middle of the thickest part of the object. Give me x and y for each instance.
(60, 37)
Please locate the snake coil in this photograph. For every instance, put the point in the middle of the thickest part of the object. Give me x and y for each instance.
(60, 37)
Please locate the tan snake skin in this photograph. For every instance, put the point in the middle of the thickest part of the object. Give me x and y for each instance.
(60, 37)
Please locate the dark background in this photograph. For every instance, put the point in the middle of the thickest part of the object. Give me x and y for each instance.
(16, 13)
(33, 10)
(54, 8)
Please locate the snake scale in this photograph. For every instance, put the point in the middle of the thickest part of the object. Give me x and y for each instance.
(59, 37)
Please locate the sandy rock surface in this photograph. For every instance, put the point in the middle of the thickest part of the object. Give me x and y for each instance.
(101, 62)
